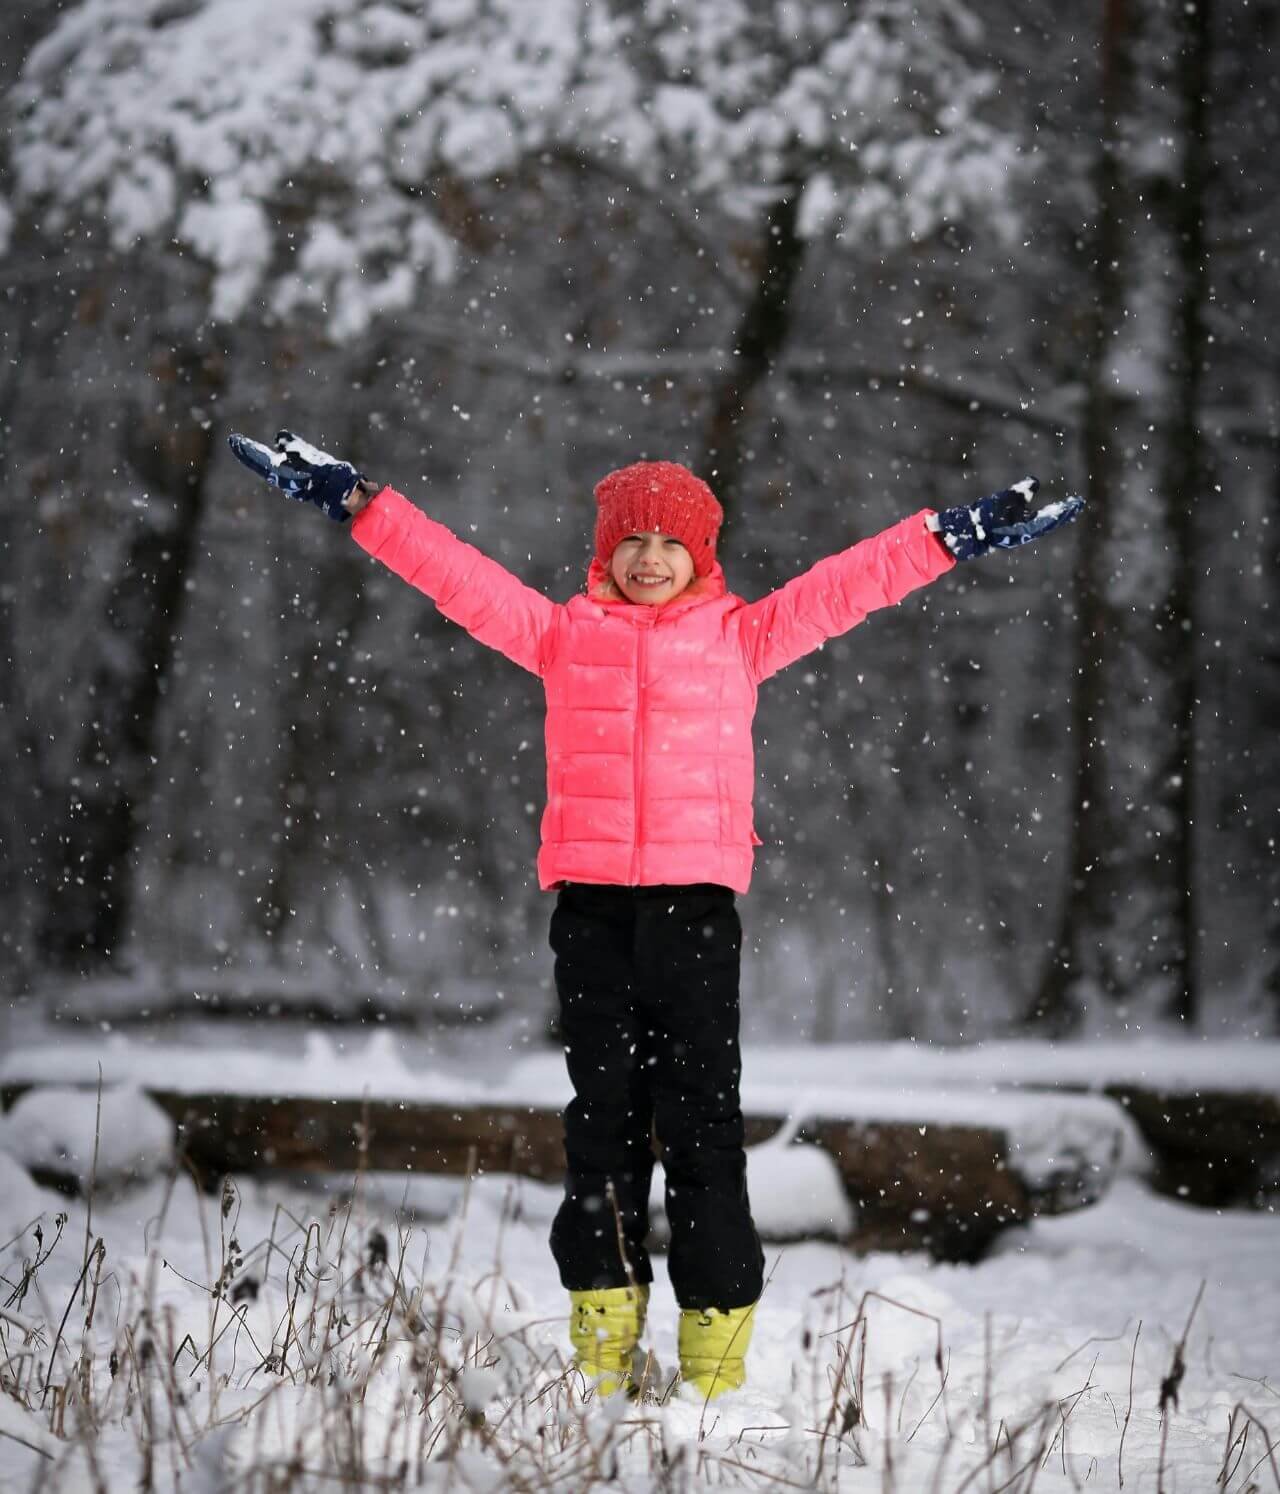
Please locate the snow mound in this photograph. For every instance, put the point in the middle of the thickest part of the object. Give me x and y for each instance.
(21, 1201)
(797, 1192)
(53, 1130)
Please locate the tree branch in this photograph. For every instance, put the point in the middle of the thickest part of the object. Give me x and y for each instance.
(710, 249)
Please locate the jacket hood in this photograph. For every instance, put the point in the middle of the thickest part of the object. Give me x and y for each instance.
(602, 589)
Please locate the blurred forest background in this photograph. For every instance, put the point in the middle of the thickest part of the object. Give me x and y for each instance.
(845, 260)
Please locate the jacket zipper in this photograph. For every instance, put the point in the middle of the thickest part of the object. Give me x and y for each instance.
(639, 751)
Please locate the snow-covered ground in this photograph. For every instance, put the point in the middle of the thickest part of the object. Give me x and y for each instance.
(1038, 1344)
(446, 1365)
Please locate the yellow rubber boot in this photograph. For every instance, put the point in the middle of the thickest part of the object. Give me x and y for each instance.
(605, 1329)
(713, 1348)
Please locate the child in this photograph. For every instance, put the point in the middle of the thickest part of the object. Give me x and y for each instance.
(651, 679)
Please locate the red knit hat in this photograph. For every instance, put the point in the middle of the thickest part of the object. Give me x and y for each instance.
(662, 497)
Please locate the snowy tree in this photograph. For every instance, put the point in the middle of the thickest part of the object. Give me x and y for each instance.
(1087, 953)
(298, 149)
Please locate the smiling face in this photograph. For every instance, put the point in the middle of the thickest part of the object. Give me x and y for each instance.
(651, 568)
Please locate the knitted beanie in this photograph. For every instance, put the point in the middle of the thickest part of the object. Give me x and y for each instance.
(663, 497)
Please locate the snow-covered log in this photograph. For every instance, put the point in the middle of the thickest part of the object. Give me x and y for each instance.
(942, 1172)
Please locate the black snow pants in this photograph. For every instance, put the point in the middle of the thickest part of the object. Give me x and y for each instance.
(648, 984)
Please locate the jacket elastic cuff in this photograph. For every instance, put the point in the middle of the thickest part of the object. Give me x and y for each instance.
(359, 525)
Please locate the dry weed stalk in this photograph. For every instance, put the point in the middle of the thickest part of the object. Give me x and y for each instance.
(1170, 1386)
(1237, 1442)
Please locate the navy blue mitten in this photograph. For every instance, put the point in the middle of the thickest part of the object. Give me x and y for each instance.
(301, 470)
(1003, 521)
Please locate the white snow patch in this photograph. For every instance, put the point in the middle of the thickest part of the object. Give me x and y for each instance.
(1050, 1322)
(1057, 508)
(320, 1068)
(21, 1201)
(796, 1191)
(55, 1129)
(21, 1427)
(233, 234)
(1168, 1064)
(855, 1078)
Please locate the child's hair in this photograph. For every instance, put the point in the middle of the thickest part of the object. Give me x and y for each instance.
(608, 590)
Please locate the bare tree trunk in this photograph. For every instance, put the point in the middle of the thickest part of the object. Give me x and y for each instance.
(1270, 662)
(18, 740)
(309, 720)
(1185, 486)
(307, 711)
(1079, 960)
(757, 342)
(169, 442)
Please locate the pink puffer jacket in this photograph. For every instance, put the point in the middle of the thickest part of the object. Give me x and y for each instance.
(649, 758)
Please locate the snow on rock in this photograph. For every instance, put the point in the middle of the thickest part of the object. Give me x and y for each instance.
(55, 1130)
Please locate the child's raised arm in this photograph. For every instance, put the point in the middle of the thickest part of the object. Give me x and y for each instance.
(471, 589)
(837, 593)
(480, 595)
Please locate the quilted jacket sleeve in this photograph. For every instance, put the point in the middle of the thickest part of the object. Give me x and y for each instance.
(470, 589)
(837, 593)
